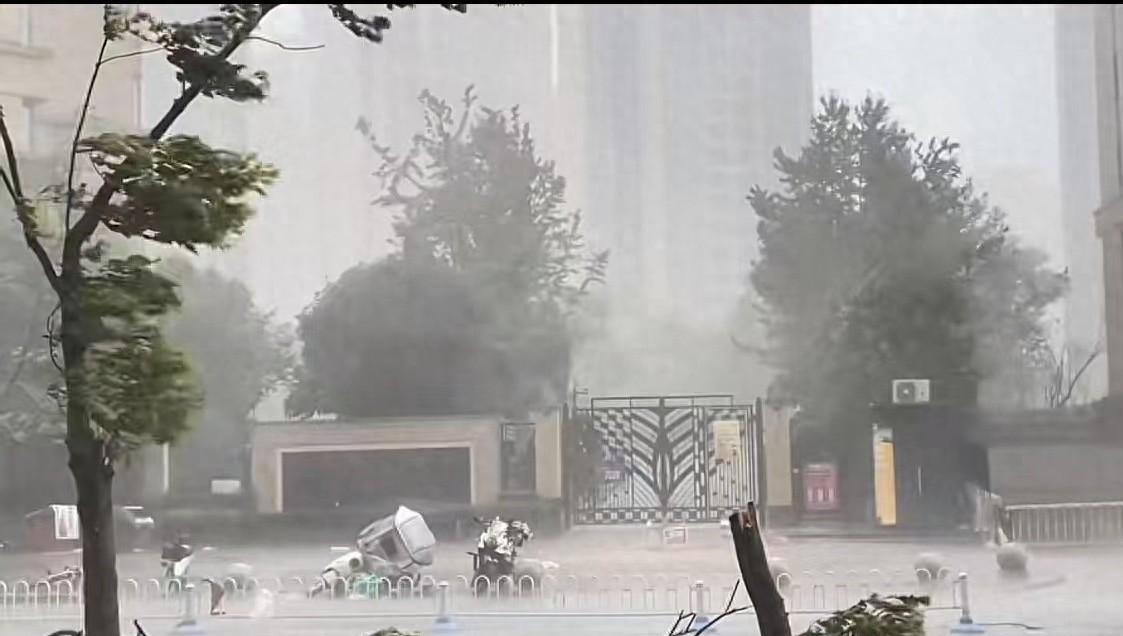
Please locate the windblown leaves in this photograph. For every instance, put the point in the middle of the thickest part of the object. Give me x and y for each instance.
(178, 190)
(136, 387)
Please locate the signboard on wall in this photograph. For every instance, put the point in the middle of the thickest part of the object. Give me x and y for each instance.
(727, 440)
(612, 471)
(820, 487)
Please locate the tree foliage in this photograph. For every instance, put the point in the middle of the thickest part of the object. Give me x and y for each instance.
(879, 260)
(124, 385)
(471, 311)
(179, 190)
(875, 616)
(238, 350)
(27, 375)
(134, 385)
(473, 193)
(240, 356)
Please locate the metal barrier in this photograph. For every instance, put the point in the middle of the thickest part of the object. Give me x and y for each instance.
(1098, 522)
(661, 594)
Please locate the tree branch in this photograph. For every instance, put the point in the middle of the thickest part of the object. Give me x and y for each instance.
(122, 56)
(287, 47)
(15, 189)
(8, 185)
(689, 629)
(78, 135)
(1072, 384)
(89, 221)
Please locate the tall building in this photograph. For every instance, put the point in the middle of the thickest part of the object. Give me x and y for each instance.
(661, 118)
(683, 107)
(46, 55)
(1108, 62)
(1080, 191)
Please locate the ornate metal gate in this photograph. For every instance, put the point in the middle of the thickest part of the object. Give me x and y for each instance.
(690, 458)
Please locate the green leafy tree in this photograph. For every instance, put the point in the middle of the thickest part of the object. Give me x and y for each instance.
(240, 356)
(472, 312)
(879, 260)
(124, 385)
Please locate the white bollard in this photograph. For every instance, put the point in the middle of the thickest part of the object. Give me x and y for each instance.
(700, 618)
(444, 622)
(188, 624)
(966, 624)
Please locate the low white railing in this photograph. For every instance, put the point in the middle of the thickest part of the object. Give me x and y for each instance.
(804, 592)
(1099, 522)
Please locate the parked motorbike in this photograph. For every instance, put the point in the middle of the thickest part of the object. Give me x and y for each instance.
(497, 551)
(393, 548)
(176, 557)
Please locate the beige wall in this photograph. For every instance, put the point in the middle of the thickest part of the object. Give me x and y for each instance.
(479, 434)
(778, 455)
(548, 456)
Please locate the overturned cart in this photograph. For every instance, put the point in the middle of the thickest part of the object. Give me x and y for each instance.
(388, 559)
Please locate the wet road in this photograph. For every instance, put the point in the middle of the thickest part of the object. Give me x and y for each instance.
(1070, 591)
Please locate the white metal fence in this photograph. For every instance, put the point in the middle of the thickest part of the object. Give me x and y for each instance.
(1100, 522)
(663, 594)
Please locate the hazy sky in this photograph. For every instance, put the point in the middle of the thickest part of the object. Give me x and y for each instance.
(982, 75)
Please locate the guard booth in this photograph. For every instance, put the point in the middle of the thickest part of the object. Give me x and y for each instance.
(925, 467)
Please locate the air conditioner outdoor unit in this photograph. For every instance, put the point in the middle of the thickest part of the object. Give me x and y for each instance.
(911, 391)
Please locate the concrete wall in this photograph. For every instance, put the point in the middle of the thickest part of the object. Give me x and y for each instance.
(548, 456)
(1108, 40)
(1057, 473)
(479, 434)
(778, 457)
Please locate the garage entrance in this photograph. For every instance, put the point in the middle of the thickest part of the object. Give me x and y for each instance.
(314, 480)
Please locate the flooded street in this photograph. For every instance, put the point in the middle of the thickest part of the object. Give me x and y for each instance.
(1068, 590)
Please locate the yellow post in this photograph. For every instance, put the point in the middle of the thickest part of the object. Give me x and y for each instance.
(885, 477)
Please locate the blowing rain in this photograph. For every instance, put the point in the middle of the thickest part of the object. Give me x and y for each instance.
(635, 320)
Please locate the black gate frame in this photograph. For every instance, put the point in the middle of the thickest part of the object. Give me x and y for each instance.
(659, 459)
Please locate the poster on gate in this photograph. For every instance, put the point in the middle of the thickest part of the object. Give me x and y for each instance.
(66, 522)
(612, 472)
(727, 440)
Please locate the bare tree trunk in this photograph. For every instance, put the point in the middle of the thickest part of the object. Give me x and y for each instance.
(771, 615)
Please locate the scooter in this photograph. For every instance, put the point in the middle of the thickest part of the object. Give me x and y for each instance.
(340, 570)
(390, 550)
(497, 551)
(176, 557)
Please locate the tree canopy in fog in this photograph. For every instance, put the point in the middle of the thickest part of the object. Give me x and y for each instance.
(879, 260)
(26, 372)
(239, 355)
(471, 311)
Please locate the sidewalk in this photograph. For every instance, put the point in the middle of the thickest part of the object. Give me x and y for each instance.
(866, 532)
